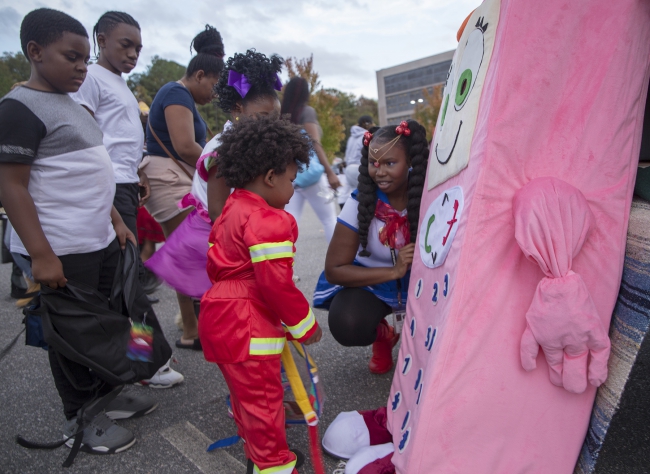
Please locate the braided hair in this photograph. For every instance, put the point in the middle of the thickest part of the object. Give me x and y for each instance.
(261, 73)
(209, 53)
(107, 23)
(45, 26)
(417, 150)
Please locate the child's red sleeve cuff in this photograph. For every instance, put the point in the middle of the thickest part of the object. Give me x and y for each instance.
(303, 330)
(309, 334)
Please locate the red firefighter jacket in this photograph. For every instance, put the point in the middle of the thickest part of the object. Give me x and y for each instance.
(253, 305)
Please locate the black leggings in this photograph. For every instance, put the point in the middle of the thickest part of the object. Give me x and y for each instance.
(354, 316)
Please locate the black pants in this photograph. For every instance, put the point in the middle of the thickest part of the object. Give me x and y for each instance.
(354, 316)
(96, 269)
(126, 201)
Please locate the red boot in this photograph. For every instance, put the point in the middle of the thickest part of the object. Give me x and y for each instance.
(382, 349)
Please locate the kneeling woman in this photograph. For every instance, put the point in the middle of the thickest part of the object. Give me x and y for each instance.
(367, 264)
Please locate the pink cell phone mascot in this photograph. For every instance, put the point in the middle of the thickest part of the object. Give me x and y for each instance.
(520, 248)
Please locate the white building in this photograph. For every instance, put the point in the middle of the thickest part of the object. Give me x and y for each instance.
(400, 87)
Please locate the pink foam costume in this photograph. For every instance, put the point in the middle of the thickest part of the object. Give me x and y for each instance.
(522, 236)
(532, 260)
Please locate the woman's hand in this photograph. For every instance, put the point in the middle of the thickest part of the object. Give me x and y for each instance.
(404, 260)
(144, 183)
(48, 270)
(318, 333)
(333, 179)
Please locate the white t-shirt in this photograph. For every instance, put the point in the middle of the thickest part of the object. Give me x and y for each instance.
(117, 113)
(71, 177)
(380, 254)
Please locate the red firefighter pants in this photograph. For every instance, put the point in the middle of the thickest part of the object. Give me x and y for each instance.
(256, 396)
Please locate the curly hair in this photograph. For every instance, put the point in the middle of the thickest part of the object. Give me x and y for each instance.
(45, 26)
(209, 53)
(253, 146)
(261, 73)
(417, 150)
(108, 21)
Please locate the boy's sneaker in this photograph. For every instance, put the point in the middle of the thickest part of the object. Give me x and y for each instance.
(101, 436)
(166, 377)
(130, 406)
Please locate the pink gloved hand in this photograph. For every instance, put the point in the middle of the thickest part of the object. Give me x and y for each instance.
(552, 222)
(563, 320)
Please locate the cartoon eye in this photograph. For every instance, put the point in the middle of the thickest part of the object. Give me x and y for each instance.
(464, 83)
(469, 65)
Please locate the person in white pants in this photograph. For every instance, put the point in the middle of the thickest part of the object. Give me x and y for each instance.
(321, 195)
(322, 199)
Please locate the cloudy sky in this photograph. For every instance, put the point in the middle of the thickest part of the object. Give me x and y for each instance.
(350, 39)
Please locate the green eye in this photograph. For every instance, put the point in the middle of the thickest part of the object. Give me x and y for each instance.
(463, 88)
(444, 111)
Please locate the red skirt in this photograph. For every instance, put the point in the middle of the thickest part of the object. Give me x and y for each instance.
(148, 228)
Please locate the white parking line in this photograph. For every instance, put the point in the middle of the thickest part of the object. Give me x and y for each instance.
(192, 444)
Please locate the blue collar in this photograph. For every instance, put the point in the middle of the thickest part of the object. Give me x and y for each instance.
(380, 195)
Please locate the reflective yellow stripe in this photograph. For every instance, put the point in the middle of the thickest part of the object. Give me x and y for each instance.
(303, 326)
(266, 345)
(271, 251)
(284, 469)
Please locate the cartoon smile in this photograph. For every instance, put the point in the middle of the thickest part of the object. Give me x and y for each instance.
(446, 160)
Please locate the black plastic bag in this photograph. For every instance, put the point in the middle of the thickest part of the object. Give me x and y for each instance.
(84, 326)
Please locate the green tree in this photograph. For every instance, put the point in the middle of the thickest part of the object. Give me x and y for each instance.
(350, 108)
(426, 113)
(146, 85)
(304, 68)
(323, 101)
(14, 67)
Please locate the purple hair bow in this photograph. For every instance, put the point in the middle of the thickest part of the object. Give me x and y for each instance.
(242, 86)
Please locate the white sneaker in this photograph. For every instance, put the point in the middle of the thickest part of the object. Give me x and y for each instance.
(166, 377)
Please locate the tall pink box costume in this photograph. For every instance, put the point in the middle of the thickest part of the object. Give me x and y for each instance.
(522, 237)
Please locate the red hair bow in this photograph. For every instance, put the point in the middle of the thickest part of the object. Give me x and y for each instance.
(366, 138)
(403, 129)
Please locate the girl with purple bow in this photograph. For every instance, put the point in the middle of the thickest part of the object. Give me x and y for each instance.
(246, 88)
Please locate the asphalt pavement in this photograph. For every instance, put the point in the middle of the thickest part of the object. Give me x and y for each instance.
(173, 438)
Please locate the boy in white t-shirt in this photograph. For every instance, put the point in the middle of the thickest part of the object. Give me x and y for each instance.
(109, 100)
(57, 186)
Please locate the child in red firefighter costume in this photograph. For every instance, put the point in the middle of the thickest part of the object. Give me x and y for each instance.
(253, 305)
